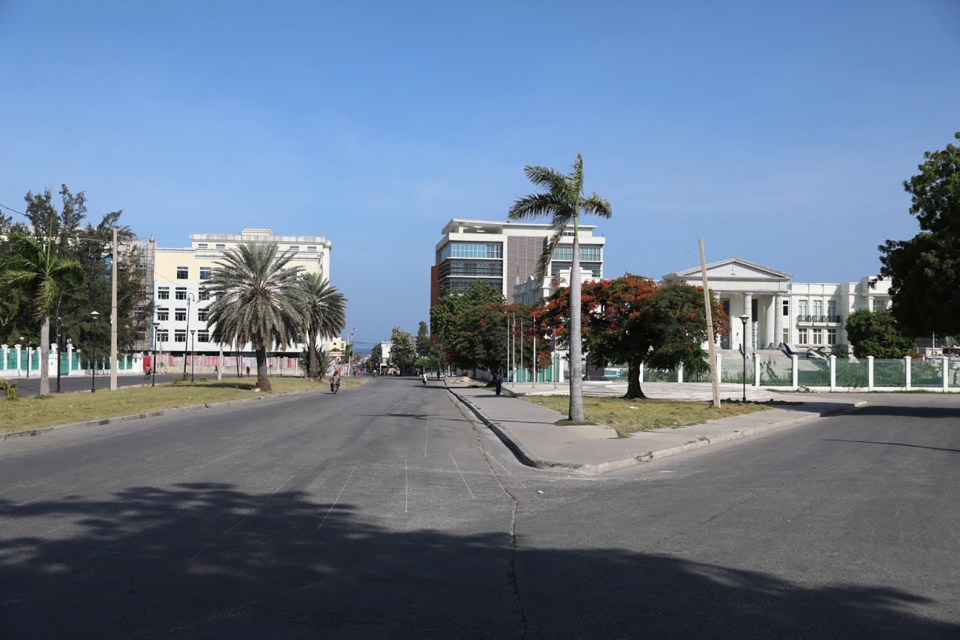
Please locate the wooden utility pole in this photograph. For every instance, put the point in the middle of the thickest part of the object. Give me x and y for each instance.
(714, 374)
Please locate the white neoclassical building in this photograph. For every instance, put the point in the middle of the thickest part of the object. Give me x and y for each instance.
(810, 315)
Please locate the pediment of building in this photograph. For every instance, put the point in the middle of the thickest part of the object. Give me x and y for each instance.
(732, 270)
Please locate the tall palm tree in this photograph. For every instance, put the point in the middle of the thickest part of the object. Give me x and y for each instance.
(258, 300)
(324, 311)
(563, 201)
(33, 267)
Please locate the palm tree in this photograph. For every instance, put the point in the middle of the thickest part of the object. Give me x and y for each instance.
(33, 267)
(324, 311)
(564, 201)
(258, 300)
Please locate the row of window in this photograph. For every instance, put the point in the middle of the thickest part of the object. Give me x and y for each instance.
(219, 245)
(179, 314)
(163, 335)
(472, 250)
(815, 336)
(588, 253)
(802, 307)
(180, 293)
(183, 273)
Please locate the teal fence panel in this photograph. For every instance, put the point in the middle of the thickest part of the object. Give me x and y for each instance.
(890, 373)
(11, 359)
(813, 374)
(953, 380)
(732, 370)
(852, 374)
(659, 375)
(776, 372)
(926, 374)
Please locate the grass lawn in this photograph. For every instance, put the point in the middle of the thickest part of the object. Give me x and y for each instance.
(629, 416)
(66, 408)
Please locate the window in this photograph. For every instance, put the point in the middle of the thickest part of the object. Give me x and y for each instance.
(312, 249)
(786, 336)
(221, 246)
(818, 307)
(202, 245)
(202, 315)
(817, 336)
(218, 295)
(163, 293)
(183, 273)
(831, 337)
(163, 335)
(204, 294)
(163, 314)
(203, 336)
(786, 308)
(294, 247)
(181, 293)
(205, 273)
(801, 308)
(588, 253)
(802, 336)
(179, 335)
(180, 315)
(832, 310)
(471, 250)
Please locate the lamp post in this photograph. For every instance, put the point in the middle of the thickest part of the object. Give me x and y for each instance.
(189, 300)
(59, 348)
(93, 361)
(193, 358)
(153, 372)
(743, 341)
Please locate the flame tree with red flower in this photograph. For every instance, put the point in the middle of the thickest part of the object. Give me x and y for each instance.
(635, 321)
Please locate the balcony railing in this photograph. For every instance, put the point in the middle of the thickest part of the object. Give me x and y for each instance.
(818, 320)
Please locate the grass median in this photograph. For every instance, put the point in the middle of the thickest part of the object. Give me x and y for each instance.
(630, 416)
(67, 408)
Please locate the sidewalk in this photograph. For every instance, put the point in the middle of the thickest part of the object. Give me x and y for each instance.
(529, 430)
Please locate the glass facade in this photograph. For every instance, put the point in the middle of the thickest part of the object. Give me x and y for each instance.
(471, 250)
(588, 253)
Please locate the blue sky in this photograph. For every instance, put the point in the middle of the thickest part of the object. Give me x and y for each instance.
(779, 132)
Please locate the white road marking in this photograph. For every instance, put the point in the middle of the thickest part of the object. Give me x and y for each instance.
(461, 474)
(406, 486)
(335, 501)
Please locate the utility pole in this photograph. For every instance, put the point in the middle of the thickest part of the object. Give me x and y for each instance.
(708, 309)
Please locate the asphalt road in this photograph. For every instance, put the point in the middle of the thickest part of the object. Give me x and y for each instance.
(384, 512)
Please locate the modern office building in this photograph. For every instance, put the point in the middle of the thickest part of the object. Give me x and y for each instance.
(505, 254)
(181, 303)
(809, 315)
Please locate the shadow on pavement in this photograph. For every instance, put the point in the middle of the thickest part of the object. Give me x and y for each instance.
(206, 560)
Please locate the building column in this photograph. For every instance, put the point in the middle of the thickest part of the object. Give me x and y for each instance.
(748, 309)
(768, 323)
(777, 320)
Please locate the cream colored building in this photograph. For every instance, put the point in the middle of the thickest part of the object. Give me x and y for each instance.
(181, 302)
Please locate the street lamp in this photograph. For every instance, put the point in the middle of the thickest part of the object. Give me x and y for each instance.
(743, 341)
(193, 358)
(93, 361)
(153, 372)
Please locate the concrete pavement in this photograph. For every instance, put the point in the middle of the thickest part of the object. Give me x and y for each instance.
(529, 430)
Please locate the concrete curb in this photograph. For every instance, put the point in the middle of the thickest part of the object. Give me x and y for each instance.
(640, 458)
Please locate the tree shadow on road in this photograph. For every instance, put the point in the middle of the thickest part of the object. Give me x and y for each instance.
(207, 560)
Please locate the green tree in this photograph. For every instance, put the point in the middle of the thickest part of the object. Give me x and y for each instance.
(259, 300)
(423, 340)
(472, 327)
(324, 310)
(925, 270)
(635, 321)
(403, 353)
(563, 202)
(32, 267)
(876, 333)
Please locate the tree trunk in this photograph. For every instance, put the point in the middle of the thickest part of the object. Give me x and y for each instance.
(633, 381)
(44, 355)
(576, 413)
(263, 378)
(312, 364)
